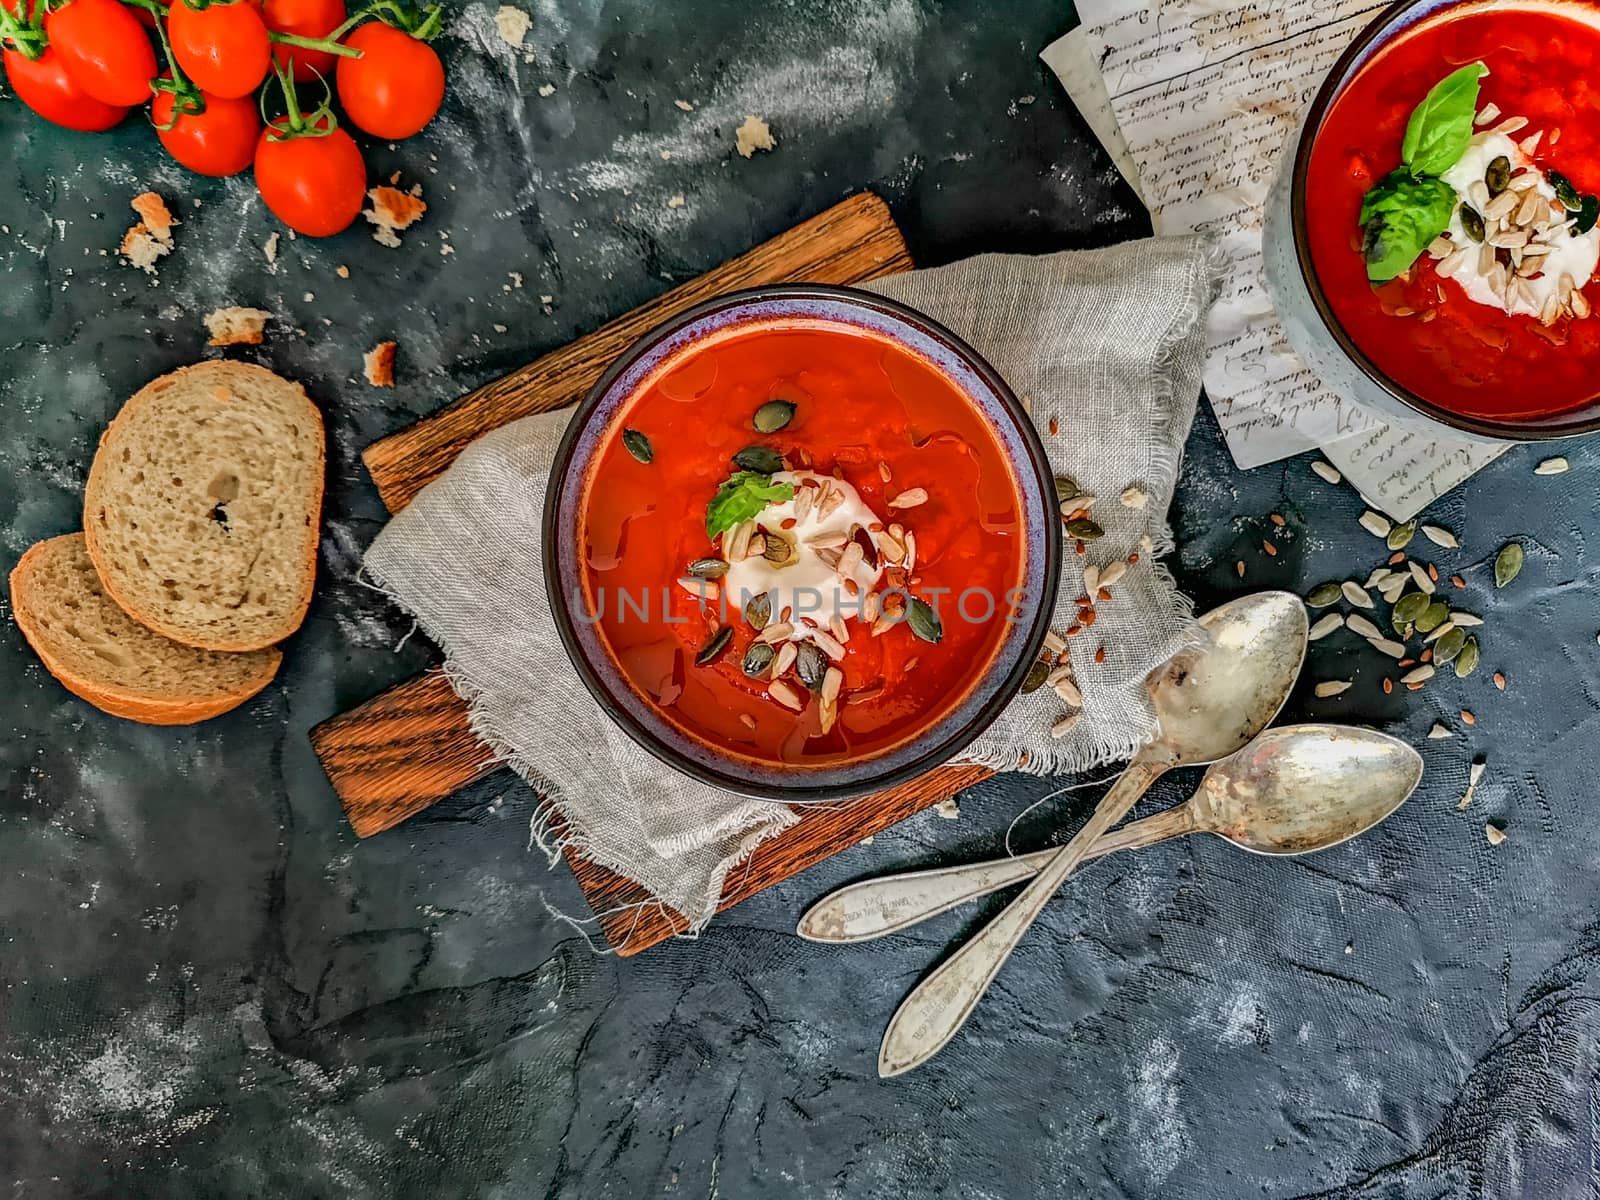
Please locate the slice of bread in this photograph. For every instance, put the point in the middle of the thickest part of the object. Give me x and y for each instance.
(116, 664)
(201, 510)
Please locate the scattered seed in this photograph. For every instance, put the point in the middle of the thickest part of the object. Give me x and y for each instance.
(776, 633)
(1332, 687)
(638, 445)
(773, 416)
(1037, 674)
(1239, 566)
(1499, 680)
(708, 568)
(1435, 615)
(777, 549)
(1388, 686)
(1361, 625)
(1433, 573)
(1068, 691)
(712, 650)
(909, 498)
(1494, 833)
(1378, 578)
(1376, 524)
(701, 589)
(1467, 660)
(1272, 551)
(1329, 593)
(1065, 725)
(787, 654)
(1356, 594)
(1100, 655)
(1091, 578)
(1457, 581)
(1398, 557)
(1439, 731)
(1467, 716)
(1424, 580)
(1552, 466)
(1112, 575)
(757, 660)
(1326, 471)
(749, 722)
(1066, 488)
(1135, 497)
(1400, 536)
(1084, 530)
(923, 622)
(1409, 608)
(1449, 646)
(1392, 648)
(758, 611)
(785, 695)
(1325, 626)
(1418, 675)
(1508, 564)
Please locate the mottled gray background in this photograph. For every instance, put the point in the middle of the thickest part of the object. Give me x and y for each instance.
(208, 988)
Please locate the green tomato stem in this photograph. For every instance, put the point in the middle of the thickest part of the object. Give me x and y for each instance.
(306, 43)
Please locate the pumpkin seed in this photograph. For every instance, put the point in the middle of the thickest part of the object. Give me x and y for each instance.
(1324, 595)
(758, 659)
(1037, 674)
(758, 611)
(1467, 660)
(1472, 222)
(712, 650)
(773, 416)
(779, 550)
(1066, 488)
(1449, 647)
(1440, 536)
(923, 622)
(1400, 536)
(1435, 615)
(1565, 192)
(1508, 563)
(763, 459)
(1084, 530)
(1498, 174)
(811, 665)
(708, 568)
(638, 445)
(1410, 608)
(1588, 214)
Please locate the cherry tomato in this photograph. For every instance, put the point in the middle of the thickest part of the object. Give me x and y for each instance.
(308, 18)
(314, 185)
(44, 86)
(395, 87)
(223, 48)
(104, 48)
(219, 141)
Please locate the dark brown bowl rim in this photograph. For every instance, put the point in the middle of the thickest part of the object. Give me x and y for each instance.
(1502, 431)
(982, 717)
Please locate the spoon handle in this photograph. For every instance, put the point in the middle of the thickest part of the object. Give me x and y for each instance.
(938, 1006)
(875, 907)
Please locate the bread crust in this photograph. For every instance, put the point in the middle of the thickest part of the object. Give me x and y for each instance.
(210, 373)
(147, 710)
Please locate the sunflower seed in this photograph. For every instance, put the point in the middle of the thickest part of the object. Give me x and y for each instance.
(1400, 536)
(1552, 466)
(1435, 615)
(787, 653)
(1465, 619)
(1494, 833)
(1420, 574)
(1084, 530)
(1332, 687)
(923, 621)
(700, 589)
(712, 650)
(1439, 731)
(1376, 524)
(1324, 595)
(1508, 564)
(1439, 631)
(832, 681)
(785, 695)
(1358, 624)
(1394, 586)
(1326, 471)
(1356, 594)
(1440, 536)
(1065, 725)
(638, 445)
(1113, 574)
(776, 633)
(1486, 114)
(909, 498)
(1091, 578)
(1393, 649)
(1135, 497)
(1449, 646)
(1419, 675)
(1325, 626)
(830, 646)
(757, 659)
(1467, 660)
(1068, 691)
(773, 416)
(1409, 608)
(1378, 578)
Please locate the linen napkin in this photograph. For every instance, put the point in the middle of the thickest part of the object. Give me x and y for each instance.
(1106, 349)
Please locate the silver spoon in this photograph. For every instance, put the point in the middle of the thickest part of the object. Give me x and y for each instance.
(1294, 790)
(1210, 702)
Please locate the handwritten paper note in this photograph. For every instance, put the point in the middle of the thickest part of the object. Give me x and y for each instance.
(1204, 95)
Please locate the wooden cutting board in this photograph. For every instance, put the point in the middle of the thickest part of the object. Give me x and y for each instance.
(411, 746)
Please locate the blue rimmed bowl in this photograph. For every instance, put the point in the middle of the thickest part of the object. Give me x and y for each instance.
(593, 425)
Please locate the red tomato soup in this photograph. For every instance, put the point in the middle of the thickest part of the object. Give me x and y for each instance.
(1424, 329)
(900, 493)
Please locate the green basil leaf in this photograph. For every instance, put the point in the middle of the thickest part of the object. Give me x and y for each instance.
(1441, 126)
(1402, 217)
(742, 497)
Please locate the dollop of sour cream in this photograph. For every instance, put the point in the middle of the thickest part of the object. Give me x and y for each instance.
(1574, 255)
(807, 586)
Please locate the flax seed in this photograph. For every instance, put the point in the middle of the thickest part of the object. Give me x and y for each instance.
(1239, 566)
(1388, 686)
(1272, 551)
(1458, 581)
(1468, 717)
(1100, 655)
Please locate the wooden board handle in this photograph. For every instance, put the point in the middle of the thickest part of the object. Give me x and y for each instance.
(849, 243)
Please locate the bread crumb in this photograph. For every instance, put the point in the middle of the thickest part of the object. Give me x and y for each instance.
(516, 278)
(498, 328)
(547, 89)
(948, 808)
(395, 178)
(150, 238)
(392, 211)
(754, 135)
(270, 249)
(342, 271)
(547, 299)
(378, 364)
(1495, 834)
(677, 201)
(513, 25)
(685, 105)
(236, 326)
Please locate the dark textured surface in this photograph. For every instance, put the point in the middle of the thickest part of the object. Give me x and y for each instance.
(208, 988)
